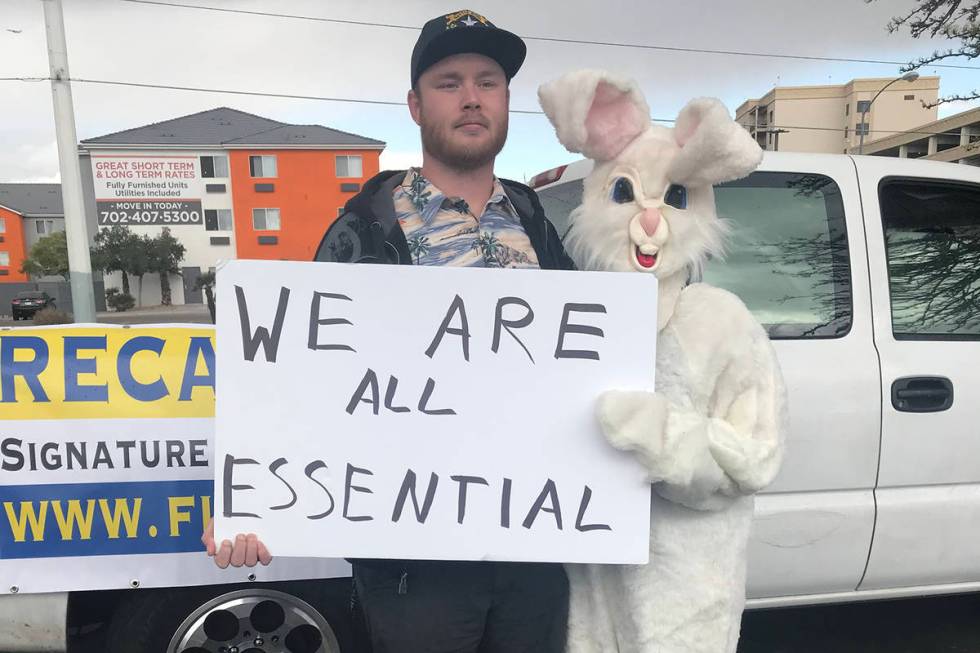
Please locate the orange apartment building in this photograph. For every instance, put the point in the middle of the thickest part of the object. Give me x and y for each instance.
(227, 184)
(27, 212)
(306, 191)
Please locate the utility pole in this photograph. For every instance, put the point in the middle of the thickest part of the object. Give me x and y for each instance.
(76, 231)
(777, 131)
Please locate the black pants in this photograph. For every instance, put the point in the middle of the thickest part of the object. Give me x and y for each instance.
(464, 607)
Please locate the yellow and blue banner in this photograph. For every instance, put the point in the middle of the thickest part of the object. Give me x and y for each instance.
(106, 470)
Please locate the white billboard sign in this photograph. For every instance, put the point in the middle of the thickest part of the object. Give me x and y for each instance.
(430, 413)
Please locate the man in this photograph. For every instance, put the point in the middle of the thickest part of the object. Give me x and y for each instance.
(452, 211)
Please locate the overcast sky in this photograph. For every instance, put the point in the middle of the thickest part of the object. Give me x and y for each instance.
(116, 40)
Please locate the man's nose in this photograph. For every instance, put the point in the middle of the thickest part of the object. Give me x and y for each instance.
(471, 99)
(650, 220)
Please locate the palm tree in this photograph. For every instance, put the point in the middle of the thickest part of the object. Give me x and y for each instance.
(419, 247)
(206, 282)
(487, 243)
(419, 199)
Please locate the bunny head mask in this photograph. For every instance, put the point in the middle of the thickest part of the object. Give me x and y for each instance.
(648, 204)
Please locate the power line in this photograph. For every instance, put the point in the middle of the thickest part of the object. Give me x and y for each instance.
(324, 98)
(270, 14)
(290, 96)
(199, 89)
(552, 39)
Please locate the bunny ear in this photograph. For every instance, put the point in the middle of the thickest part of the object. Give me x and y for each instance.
(714, 148)
(595, 113)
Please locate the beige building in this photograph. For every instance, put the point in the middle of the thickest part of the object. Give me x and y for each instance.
(955, 139)
(828, 118)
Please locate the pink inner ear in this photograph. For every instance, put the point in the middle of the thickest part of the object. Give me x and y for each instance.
(684, 131)
(613, 121)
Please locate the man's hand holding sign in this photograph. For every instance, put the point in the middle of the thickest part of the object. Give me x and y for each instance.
(451, 419)
(246, 549)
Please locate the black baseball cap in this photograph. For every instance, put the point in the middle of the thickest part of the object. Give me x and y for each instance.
(462, 32)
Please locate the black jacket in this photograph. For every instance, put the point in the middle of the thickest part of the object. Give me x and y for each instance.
(367, 231)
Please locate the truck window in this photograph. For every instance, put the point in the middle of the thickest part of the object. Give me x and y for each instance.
(932, 240)
(558, 202)
(786, 257)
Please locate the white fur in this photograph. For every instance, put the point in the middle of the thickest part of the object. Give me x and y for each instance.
(570, 100)
(712, 433)
(718, 149)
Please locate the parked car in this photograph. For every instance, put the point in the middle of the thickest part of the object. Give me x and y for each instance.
(29, 302)
(866, 273)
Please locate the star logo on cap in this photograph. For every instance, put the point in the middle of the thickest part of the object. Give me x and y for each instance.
(471, 18)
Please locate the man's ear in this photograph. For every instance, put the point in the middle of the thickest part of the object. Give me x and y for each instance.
(415, 105)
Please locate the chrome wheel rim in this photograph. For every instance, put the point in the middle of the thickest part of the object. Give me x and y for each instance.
(254, 621)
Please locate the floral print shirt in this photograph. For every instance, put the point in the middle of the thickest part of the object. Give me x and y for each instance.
(444, 231)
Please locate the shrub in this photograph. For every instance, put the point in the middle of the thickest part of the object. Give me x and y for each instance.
(47, 316)
(119, 301)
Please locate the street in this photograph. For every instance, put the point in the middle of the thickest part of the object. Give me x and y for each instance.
(185, 313)
(948, 624)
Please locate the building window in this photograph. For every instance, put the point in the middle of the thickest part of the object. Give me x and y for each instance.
(340, 211)
(909, 97)
(349, 166)
(770, 117)
(861, 129)
(4, 259)
(847, 131)
(931, 240)
(847, 109)
(262, 166)
(217, 220)
(265, 219)
(3, 225)
(863, 106)
(214, 167)
(44, 227)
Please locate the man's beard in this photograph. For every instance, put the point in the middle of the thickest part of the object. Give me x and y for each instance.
(438, 143)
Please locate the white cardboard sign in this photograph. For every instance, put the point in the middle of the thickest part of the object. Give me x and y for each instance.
(370, 411)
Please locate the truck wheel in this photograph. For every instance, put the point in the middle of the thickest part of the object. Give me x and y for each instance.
(254, 618)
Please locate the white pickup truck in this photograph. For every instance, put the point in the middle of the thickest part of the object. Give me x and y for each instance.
(866, 273)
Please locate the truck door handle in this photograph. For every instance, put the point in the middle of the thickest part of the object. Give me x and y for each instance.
(922, 394)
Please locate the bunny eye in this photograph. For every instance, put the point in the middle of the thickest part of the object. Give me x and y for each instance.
(676, 196)
(622, 191)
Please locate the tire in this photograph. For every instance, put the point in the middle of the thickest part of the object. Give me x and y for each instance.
(313, 616)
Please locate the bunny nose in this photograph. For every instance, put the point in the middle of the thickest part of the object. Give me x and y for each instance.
(650, 220)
